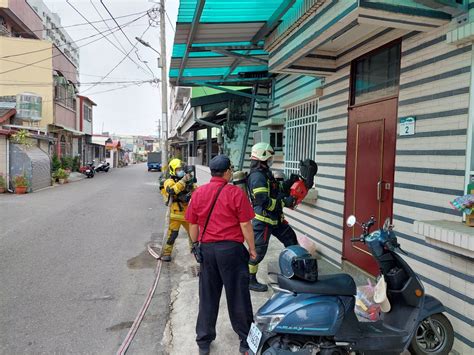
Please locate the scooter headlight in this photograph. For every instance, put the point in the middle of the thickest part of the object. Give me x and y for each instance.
(268, 323)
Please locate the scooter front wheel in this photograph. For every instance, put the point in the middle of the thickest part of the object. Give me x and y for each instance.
(434, 335)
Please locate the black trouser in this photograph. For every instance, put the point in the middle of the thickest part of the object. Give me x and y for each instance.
(262, 231)
(224, 264)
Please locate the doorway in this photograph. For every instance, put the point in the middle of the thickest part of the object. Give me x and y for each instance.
(371, 141)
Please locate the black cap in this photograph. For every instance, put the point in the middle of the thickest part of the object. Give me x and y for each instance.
(220, 163)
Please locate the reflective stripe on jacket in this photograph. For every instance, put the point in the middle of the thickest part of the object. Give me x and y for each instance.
(264, 191)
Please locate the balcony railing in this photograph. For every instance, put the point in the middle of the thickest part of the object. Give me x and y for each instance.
(293, 18)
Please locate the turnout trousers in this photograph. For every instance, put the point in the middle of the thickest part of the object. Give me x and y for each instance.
(173, 231)
(262, 231)
(224, 264)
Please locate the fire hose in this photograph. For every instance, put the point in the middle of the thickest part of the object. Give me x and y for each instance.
(138, 320)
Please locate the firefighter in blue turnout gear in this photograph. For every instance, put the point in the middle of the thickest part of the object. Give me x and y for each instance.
(269, 197)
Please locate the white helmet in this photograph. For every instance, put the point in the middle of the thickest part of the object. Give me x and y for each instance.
(262, 151)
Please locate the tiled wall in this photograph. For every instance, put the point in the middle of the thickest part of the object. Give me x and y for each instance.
(434, 87)
(430, 168)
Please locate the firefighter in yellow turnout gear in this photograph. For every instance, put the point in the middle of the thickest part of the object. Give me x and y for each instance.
(177, 192)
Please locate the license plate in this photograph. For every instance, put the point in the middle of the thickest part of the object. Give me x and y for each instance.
(88, 171)
(254, 337)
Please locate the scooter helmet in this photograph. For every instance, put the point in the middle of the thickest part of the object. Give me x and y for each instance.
(174, 165)
(262, 151)
(296, 262)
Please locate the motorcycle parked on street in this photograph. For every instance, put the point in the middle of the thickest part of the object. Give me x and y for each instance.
(103, 166)
(88, 170)
(318, 317)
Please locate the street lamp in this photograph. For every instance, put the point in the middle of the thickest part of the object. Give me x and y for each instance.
(146, 44)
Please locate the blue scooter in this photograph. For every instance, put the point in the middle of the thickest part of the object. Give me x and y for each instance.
(318, 317)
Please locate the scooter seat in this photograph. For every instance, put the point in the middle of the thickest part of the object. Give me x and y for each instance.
(335, 285)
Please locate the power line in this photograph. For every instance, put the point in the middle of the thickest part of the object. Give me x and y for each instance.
(92, 93)
(83, 23)
(38, 84)
(114, 29)
(169, 20)
(128, 39)
(113, 18)
(42, 60)
(97, 10)
(127, 56)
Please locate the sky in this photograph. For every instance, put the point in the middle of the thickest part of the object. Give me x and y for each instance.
(134, 109)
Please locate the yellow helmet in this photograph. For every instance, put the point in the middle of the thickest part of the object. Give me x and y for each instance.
(173, 165)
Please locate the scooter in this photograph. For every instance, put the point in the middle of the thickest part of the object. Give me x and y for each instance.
(103, 166)
(318, 317)
(89, 170)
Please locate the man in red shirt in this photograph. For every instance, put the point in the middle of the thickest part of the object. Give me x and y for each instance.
(220, 218)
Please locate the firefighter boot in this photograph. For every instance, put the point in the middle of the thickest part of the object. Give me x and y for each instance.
(254, 285)
(168, 249)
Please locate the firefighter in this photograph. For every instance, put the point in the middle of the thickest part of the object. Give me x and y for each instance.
(177, 190)
(268, 196)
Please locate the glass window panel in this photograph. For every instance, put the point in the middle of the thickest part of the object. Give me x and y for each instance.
(377, 76)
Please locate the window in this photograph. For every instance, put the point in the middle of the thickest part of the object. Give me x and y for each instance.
(87, 113)
(376, 76)
(64, 92)
(276, 140)
(300, 130)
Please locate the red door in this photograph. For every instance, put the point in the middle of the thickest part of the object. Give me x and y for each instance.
(369, 173)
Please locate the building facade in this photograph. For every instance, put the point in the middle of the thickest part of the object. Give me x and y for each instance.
(380, 94)
(54, 33)
(83, 145)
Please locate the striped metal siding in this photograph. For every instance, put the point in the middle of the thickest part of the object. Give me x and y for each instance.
(430, 166)
(321, 222)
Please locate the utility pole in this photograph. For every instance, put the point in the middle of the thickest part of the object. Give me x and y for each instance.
(164, 88)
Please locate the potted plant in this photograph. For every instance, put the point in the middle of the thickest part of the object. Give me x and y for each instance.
(3, 184)
(21, 184)
(61, 175)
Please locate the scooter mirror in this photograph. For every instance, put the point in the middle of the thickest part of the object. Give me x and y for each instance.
(351, 221)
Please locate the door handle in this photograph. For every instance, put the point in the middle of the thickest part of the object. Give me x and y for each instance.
(382, 185)
(379, 190)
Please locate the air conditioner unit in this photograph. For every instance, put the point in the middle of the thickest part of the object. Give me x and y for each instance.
(261, 136)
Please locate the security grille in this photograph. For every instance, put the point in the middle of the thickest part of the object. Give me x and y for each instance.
(300, 134)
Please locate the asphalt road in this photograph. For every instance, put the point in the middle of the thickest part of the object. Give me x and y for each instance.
(73, 267)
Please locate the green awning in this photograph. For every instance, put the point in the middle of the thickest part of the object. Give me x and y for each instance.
(221, 41)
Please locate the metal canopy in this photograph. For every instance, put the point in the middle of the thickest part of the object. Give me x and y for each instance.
(221, 41)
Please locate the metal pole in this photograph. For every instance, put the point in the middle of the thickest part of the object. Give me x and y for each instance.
(164, 86)
(209, 145)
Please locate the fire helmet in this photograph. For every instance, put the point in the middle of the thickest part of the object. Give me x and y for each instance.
(262, 151)
(173, 165)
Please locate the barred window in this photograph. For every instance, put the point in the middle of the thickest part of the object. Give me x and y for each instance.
(300, 134)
